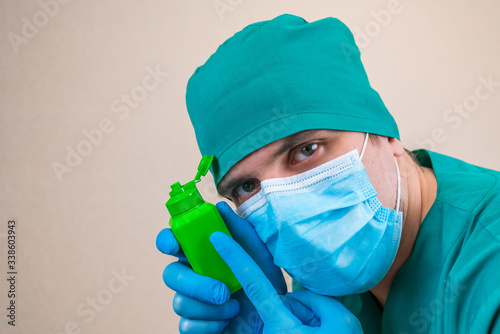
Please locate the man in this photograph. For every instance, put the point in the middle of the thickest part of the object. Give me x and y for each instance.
(381, 239)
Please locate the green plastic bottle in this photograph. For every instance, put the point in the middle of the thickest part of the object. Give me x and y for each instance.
(193, 221)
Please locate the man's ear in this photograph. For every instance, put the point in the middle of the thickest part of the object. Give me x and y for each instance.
(396, 147)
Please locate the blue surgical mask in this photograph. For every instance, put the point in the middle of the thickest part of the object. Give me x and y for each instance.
(326, 227)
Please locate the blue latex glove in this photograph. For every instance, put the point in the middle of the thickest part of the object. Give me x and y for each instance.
(205, 304)
(276, 317)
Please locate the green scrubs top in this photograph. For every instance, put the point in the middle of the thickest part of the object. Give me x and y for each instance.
(451, 281)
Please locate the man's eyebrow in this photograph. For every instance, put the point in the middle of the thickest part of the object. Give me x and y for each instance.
(292, 140)
(288, 143)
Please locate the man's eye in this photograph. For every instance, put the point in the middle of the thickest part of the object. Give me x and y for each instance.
(304, 152)
(245, 188)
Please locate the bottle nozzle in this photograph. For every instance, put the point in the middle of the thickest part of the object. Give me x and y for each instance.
(185, 197)
(176, 186)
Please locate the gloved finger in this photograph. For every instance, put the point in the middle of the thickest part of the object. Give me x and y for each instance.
(193, 309)
(300, 311)
(257, 287)
(244, 233)
(168, 244)
(178, 277)
(330, 311)
(190, 326)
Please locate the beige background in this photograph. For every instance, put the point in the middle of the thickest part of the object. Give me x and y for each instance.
(104, 215)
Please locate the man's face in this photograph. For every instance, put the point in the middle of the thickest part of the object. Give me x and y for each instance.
(307, 149)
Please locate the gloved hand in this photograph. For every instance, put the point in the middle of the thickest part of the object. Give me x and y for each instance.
(275, 315)
(205, 304)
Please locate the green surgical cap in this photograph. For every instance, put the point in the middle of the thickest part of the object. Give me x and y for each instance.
(276, 78)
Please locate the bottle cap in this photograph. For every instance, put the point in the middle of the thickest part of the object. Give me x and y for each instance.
(183, 198)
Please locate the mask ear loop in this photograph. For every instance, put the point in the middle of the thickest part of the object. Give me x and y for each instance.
(399, 185)
(397, 171)
(364, 146)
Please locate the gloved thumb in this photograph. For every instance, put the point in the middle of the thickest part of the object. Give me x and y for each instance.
(244, 233)
(257, 287)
